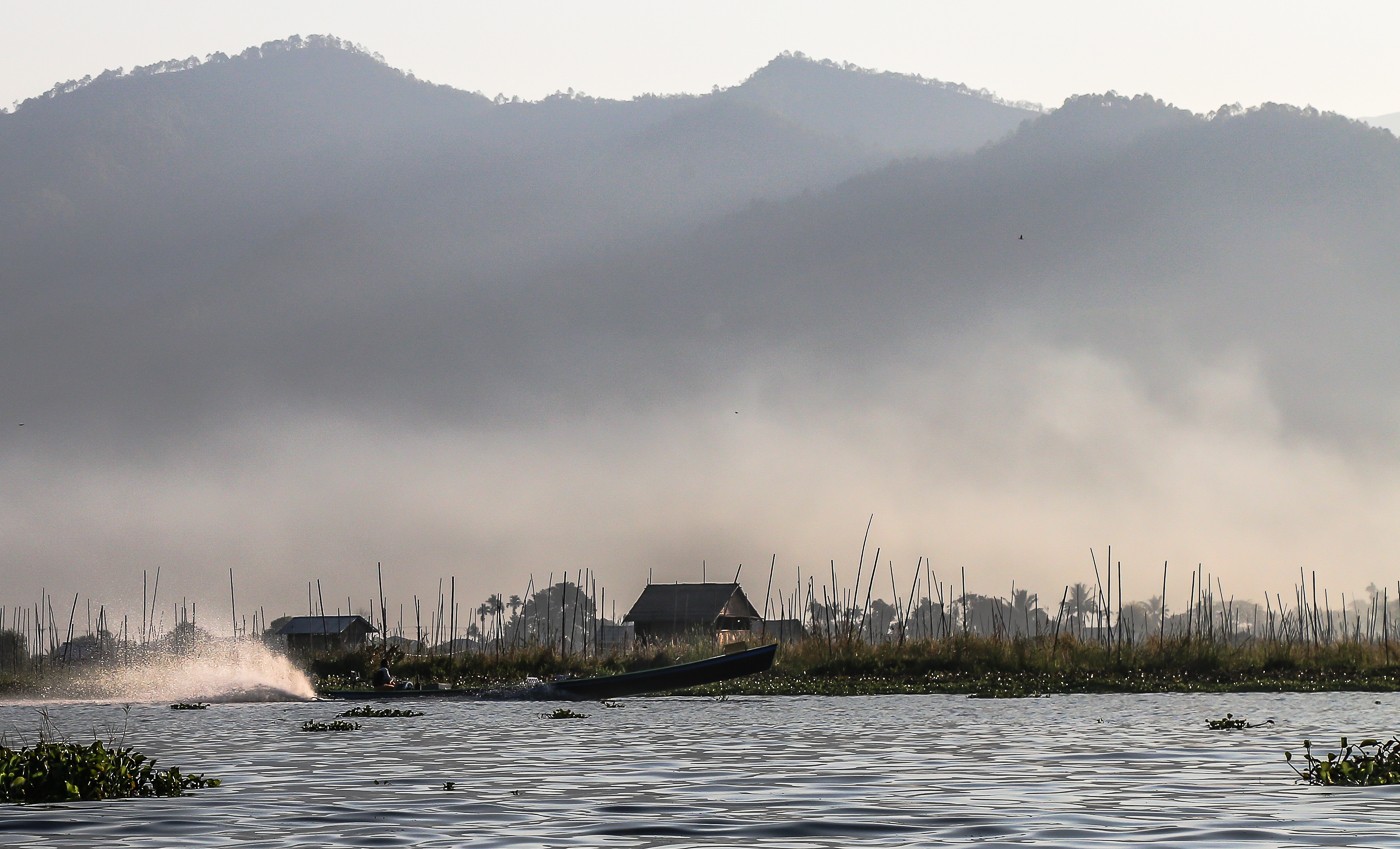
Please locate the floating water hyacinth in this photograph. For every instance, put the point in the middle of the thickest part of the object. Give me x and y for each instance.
(393, 713)
(71, 772)
(1231, 723)
(563, 713)
(1368, 763)
(333, 725)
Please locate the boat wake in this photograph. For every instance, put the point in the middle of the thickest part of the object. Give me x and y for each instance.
(215, 673)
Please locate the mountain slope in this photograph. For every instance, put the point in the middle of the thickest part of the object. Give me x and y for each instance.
(896, 114)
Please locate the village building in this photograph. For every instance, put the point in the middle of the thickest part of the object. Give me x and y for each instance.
(616, 638)
(784, 630)
(678, 611)
(326, 633)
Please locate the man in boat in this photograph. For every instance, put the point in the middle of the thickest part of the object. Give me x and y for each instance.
(383, 678)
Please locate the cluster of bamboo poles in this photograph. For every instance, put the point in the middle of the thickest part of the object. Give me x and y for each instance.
(31, 634)
(562, 616)
(566, 616)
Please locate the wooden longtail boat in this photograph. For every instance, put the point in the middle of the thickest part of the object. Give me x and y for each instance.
(677, 677)
(694, 674)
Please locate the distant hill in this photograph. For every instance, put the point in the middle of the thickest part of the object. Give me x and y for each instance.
(1123, 224)
(311, 193)
(306, 172)
(290, 130)
(892, 113)
(1388, 122)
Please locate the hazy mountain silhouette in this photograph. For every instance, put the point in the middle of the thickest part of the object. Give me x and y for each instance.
(891, 113)
(317, 185)
(293, 176)
(270, 270)
(1388, 122)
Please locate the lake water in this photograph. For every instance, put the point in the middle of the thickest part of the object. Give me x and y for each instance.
(1073, 771)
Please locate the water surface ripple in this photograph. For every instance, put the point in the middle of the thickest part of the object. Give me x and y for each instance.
(1063, 771)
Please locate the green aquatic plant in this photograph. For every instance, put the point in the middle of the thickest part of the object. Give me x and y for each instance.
(1228, 723)
(333, 725)
(189, 706)
(563, 713)
(71, 772)
(1231, 723)
(380, 713)
(1368, 763)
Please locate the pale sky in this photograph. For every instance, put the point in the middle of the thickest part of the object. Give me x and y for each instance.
(1338, 56)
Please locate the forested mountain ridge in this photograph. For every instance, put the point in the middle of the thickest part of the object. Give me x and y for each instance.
(292, 130)
(299, 176)
(894, 113)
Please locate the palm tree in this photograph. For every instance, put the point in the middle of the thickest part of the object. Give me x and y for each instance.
(498, 606)
(1081, 602)
(514, 604)
(1022, 603)
(482, 611)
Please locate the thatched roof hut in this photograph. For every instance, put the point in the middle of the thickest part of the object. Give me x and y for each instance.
(665, 611)
(326, 633)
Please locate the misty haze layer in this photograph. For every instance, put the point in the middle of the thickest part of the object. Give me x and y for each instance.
(294, 313)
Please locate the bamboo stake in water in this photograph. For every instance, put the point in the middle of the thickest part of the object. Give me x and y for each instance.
(383, 608)
(233, 604)
(1162, 628)
(767, 596)
(74, 612)
(154, 592)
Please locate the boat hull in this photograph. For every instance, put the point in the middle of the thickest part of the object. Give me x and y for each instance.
(697, 673)
(711, 670)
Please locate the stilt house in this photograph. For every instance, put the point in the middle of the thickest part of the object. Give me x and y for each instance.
(670, 611)
(326, 633)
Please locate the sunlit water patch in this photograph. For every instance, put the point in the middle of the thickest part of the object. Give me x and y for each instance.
(1071, 771)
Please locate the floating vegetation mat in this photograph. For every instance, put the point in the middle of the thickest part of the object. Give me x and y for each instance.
(1368, 763)
(1232, 723)
(393, 713)
(71, 772)
(333, 725)
(563, 713)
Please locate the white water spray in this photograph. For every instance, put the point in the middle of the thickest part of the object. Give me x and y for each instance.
(213, 673)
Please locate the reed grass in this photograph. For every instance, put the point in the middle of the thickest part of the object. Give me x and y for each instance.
(973, 664)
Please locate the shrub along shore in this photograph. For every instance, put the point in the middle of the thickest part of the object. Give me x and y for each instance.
(965, 664)
(971, 664)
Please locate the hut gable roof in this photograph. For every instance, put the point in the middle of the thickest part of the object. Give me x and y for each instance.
(690, 603)
(317, 625)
